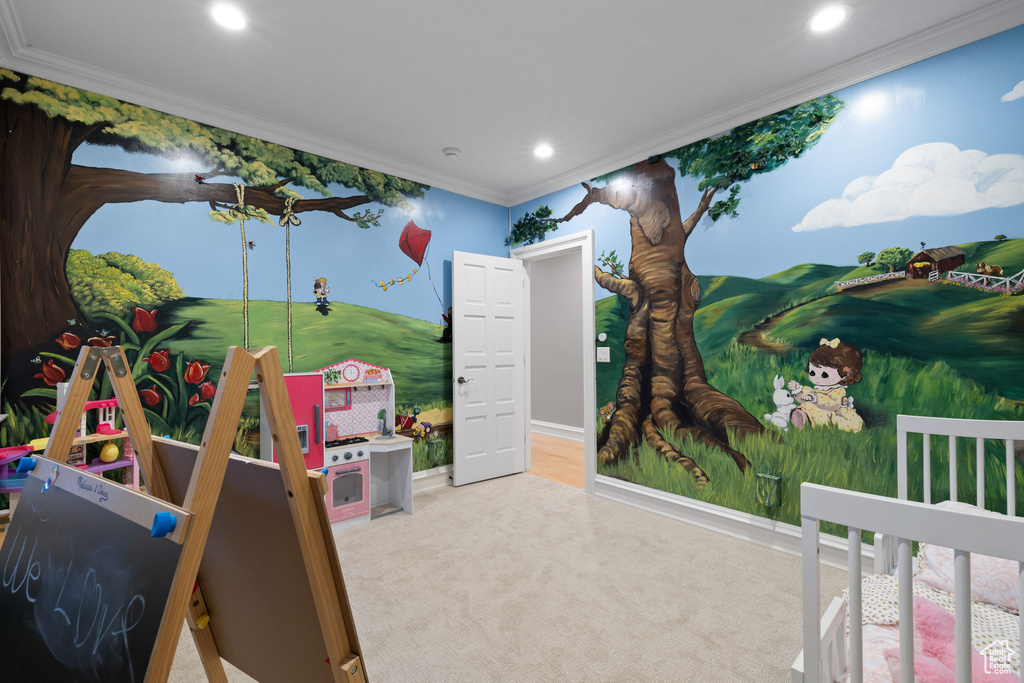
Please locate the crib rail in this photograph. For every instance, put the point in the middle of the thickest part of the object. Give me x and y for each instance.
(966, 531)
(1003, 430)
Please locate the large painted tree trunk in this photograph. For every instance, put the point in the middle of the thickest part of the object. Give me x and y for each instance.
(663, 390)
(40, 215)
(44, 202)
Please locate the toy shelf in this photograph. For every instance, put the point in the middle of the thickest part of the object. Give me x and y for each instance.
(100, 466)
(349, 385)
(95, 438)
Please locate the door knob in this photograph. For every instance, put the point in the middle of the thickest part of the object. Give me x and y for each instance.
(463, 380)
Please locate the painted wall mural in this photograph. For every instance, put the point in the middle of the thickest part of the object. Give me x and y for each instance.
(776, 294)
(123, 225)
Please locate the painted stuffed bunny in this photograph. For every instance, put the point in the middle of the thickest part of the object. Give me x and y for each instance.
(784, 405)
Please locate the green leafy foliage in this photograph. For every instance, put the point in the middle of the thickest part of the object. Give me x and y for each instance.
(531, 227)
(611, 262)
(726, 207)
(894, 258)
(761, 146)
(114, 282)
(1000, 237)
(256, 162)
(867, 258)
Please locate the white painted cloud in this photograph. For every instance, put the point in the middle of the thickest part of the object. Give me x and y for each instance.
(934, 179)
(422, 210)
(1015, 94)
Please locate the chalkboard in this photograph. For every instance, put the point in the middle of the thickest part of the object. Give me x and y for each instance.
(263, 613)
(83, 585)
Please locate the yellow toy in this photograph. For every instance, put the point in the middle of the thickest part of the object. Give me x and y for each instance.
(109, 452)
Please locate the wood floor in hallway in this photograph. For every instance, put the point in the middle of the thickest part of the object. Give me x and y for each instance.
(557, 459)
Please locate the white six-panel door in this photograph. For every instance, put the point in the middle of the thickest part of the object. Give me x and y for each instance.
(488, 364)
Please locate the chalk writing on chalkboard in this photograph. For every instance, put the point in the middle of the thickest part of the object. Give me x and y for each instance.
(82, 590)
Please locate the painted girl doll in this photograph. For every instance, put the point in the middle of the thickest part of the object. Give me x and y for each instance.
(832, 367)
(320, 291)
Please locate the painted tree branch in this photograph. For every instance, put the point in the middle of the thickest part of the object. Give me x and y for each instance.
(99, 186)
(581, 206)
(690, 224)
(618, 285)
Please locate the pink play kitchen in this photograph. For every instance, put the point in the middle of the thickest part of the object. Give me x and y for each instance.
(344, 415)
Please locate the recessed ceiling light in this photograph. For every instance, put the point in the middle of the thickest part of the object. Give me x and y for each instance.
(829, 17)
(228, 16)
(543, 151)
(451, 152)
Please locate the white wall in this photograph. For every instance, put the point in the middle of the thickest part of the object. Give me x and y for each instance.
(556, 326)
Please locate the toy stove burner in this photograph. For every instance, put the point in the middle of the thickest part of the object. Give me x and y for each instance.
(348, 455)
(346, 442)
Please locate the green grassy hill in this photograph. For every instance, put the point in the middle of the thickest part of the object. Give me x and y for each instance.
(979, 335)
(1008, 254)
(421, 367)
(808, 273)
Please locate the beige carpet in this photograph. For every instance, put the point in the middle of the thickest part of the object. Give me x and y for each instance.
(524, 579)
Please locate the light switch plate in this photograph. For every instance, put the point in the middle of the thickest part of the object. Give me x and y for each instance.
(604, 354)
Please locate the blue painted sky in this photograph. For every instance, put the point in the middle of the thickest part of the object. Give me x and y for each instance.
(965, 98)
(205, 257)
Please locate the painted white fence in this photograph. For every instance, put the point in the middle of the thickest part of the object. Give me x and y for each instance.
(840, 285)
(989, 283)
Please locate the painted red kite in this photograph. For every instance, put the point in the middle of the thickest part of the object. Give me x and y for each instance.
(414, 241)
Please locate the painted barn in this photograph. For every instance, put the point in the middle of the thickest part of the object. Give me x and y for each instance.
(938, 260)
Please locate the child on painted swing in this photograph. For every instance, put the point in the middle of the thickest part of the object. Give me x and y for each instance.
(832, 367)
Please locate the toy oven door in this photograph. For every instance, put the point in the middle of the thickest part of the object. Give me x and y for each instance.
(348, 491)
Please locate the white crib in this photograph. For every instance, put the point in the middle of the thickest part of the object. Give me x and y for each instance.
(824, 657)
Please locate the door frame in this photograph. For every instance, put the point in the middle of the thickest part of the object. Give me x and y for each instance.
(581, 243)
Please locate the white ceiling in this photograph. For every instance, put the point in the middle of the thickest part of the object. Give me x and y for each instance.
(387, 84)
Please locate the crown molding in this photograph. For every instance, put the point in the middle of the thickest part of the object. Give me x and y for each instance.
(967, 28)
(986, 21)
(15, 55)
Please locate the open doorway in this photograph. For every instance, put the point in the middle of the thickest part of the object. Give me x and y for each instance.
(560, 349)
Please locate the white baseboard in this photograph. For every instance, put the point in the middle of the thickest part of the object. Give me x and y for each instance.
(424, 480)
(766, 532)
(557, 430)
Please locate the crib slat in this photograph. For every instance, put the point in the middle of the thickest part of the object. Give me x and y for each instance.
(927, 468)
(962, 596)
(812, 601)
(904, 576)
(952, 468)
(855, 614)
(1011, 502)
(901, 463)
(981, 473)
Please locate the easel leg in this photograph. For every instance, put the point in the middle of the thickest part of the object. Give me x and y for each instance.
(346, 665)
(201, 501)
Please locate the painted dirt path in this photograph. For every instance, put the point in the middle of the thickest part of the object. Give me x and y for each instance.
(759, 336)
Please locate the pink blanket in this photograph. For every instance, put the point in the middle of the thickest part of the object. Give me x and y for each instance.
(934, 650)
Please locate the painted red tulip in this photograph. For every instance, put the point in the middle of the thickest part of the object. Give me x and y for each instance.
(193, 399)
(69, 341)
(101, 341)
(51, 373)
(151, 396)
(159, 360)
(195, 372)
(207, 390)
(144, 321)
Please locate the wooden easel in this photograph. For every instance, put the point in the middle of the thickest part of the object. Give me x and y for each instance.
(186, 597)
